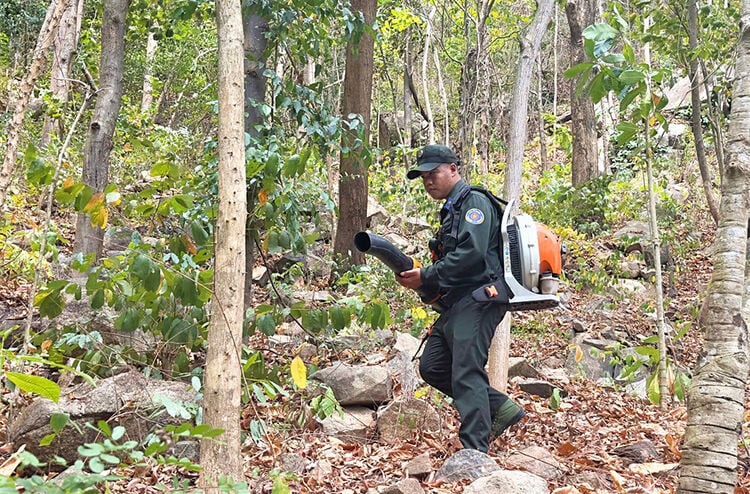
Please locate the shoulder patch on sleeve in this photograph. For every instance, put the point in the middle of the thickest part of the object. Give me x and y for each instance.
(474, 216)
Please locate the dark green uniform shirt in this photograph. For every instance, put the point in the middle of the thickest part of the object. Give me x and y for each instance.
(472, 258)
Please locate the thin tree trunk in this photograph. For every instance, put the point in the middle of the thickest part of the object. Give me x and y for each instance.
(585, 159)
(255, 45)
(716, 396)
(13, 130)
(89, 238)
(443, 99)
(530, 45)
(355, 162)
(147, 96)
(483, 103)
(664, 394)
(408, 137)
(66, 43)
(696, 118)
(540, 119)
(222, 457)
(425, 81)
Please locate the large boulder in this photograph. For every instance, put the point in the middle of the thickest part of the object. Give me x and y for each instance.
(405, 418)
(129, 399)
(367, 385)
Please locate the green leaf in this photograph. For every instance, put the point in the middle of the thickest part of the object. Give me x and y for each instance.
(267, 324)
(578, 69)
(630, 77)
(58, 421)
(613, 58)
(600, 32)
(280, 486)
(555, 400)
(118, 432)
(50, 303)
(340, 317)
(626, 131)
(46, 441)
(90, 449)
(379, 315)
(181, 203)
(97, 300)
(35, 384)
(200, 235)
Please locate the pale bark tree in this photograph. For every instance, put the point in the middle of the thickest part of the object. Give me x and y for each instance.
(255, 28)
(13, 130)
(221, 457)
(354, 163)
(530, 42)
(425, 79)
(474, 89)
(65, 46)
(89, 238)
(716, 396)
(147, 91)
(696, 123)
(585, 159)
(408, 138)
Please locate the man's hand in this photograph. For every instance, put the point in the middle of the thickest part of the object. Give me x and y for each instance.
(410, 279)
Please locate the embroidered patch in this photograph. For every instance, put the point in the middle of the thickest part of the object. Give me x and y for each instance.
(475, 216)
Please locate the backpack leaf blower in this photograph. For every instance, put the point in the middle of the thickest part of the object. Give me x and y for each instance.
(531, 255)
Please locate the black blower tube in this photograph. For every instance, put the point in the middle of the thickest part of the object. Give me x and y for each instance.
(377, 246)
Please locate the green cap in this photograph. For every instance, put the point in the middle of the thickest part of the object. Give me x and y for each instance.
(430, 157)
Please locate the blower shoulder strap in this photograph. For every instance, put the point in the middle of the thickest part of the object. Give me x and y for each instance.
(498, 203)
(495, 200)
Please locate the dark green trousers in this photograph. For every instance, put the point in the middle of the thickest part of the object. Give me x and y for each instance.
(454, 360)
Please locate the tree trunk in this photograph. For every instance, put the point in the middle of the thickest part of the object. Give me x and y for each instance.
(467, 91)
(89, 238)
(584, 166)
(354, 163)
(66, 43)
(716, 397)
(221, 457)
(425, 81)
(13, 130)
(530, 45)
(483, 103)
(255, 44)
(147, 96)
(696, 118)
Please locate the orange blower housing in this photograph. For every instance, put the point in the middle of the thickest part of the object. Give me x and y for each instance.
(550, 251)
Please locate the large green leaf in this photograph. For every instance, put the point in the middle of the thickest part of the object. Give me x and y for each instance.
(35, 384)
(630, 77)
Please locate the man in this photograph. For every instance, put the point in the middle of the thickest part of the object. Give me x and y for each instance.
(466, 256)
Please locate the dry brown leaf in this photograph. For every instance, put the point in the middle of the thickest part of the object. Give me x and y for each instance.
(649, 468)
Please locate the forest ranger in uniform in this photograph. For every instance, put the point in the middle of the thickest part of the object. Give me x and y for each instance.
(466, 255)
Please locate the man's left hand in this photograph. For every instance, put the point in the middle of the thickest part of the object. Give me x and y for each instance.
(410, 279)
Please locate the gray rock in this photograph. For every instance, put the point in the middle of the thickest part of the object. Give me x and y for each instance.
(520, 367)
(421, 466)
(357, 385)
(537, 387)
(129, 399)
(354, 427)
(292, 462)
(538, 461)
(595, 358)
(466, 464)
(508, 482)
(405, 418)
(406, 486)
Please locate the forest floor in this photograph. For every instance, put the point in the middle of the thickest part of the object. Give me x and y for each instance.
(583, 433)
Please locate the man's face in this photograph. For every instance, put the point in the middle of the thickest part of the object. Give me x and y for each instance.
(439, 182)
